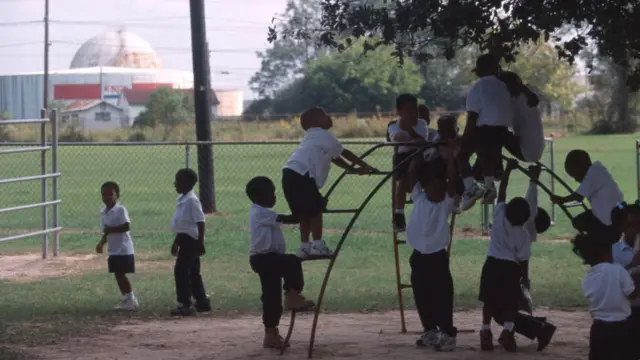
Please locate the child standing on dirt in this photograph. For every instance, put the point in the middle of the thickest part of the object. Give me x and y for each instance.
(306, 172)
(188, 246)
(410, 127)
(268, 259)
(501, 273)
(115, 225)
(599, 187)
(608, 288)
(429, 235)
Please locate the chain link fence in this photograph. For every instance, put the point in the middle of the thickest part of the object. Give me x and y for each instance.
(145, 173)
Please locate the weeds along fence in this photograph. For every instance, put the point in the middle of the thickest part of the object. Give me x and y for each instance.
(145, 173)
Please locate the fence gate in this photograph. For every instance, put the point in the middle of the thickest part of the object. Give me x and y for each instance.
(46, 150)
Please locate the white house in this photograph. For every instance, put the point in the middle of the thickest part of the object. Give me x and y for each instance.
(93, 115)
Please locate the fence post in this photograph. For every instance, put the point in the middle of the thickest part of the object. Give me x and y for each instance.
(552, 166)
(187, 156)
(54, 169)
(638, 167)
(43, 184)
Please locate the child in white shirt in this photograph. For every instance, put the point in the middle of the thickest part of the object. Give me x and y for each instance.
(306, 172)
(608, 288)
(501, 273)
(599, 187)
(411, 127)
(268, 259)
(188, 224)
(428, 234)
(115, 225)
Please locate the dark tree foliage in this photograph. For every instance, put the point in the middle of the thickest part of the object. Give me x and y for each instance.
(426, 29)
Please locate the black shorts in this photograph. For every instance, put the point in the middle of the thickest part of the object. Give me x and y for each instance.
(398, 159)
(513, 146)
(302, 195)
(121, 264)
(500, 284)
(589, 223)
(486, 139)
(612, 340)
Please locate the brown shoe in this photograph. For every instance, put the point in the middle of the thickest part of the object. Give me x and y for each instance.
(272, 339)
(486, 340)
(508, 341)
(295, 301)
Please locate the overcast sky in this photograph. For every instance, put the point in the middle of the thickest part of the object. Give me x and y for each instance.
(236, 29)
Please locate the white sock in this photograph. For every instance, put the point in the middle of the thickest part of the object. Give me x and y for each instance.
(485, 327)
(468, 182)
(488, 182)
(509, 325)
(400, 211)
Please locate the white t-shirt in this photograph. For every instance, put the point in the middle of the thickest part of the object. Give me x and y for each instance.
(527, 124)
(396, 134)
(490, 99)
(266, 234)
(607, 287)
(314, 155)
(187, 215)
(530, 225)
(602, 191)
(428, 227)
(120, 243)
(508, 242)
(622, 253)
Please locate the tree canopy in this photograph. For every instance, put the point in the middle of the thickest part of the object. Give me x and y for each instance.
(428, 29)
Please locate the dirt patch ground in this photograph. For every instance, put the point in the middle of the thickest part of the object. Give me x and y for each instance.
(339, 336)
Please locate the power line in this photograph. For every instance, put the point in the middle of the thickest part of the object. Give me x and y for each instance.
(20, 23)
(20, 44)
(166, 48)
(155, 26)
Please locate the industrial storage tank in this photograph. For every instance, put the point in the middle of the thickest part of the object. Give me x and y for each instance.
(116, 49)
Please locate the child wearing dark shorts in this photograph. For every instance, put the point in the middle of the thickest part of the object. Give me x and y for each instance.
(115, 225)
(268, 259)
(410, 127)
(608, 288)
(501, 273)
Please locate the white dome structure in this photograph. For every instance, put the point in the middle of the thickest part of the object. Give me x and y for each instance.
(116, 49)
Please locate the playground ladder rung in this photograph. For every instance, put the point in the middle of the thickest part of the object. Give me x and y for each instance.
(400, 242)
(341, 211)
(405, 286)
(572, 205)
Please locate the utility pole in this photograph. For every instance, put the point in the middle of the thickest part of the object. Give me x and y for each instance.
(46, 55)
(202, 99)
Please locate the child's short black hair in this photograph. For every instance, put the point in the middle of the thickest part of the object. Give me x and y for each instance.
(518, 211)
(542, 220)
(620, 211)
(577, 157)
(406, 99)
(591, 248)
(189, 175)
(424, 113)
(257, 186)
(111, 185)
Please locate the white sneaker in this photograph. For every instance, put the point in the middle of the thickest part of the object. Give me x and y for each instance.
(428, 339)
(490, 195)
(130, 304)
(319, 248)
(446, 343)
(470, 196)
(303, 251)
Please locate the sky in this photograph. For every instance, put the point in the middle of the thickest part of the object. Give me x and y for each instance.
(236, 29)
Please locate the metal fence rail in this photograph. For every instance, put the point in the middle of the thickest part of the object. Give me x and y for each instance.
(43, 148)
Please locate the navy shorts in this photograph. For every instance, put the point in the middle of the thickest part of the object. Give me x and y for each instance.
(302, 194)
(122, 264)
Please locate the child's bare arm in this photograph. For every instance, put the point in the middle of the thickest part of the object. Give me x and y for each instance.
(565, 199)
(502, 192)
(340, 162)
(472, 121)
(452, 169)
(347, 154)
(117, 229)
(287, 219)
(414, 169)
(532, 98)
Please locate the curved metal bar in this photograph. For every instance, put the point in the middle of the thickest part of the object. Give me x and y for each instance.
(346, 233)
(369, 152)
(285, 343)
(561, 181)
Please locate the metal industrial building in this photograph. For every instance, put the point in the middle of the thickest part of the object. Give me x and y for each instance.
(102, 68)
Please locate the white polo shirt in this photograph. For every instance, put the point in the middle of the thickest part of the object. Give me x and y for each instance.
(530, 225)
(527, 124)
(428, 227)
(622, 253)
(607, 287)
(187, 215)
(602, 191)
(490, 99)
(507, 242)
(120, 243)
(314, 155)
(396, 134)
(266, 234)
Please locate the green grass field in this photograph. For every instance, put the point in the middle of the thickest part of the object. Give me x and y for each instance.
(363, 280)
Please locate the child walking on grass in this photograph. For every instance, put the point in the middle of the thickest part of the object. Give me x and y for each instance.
(115, 225)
